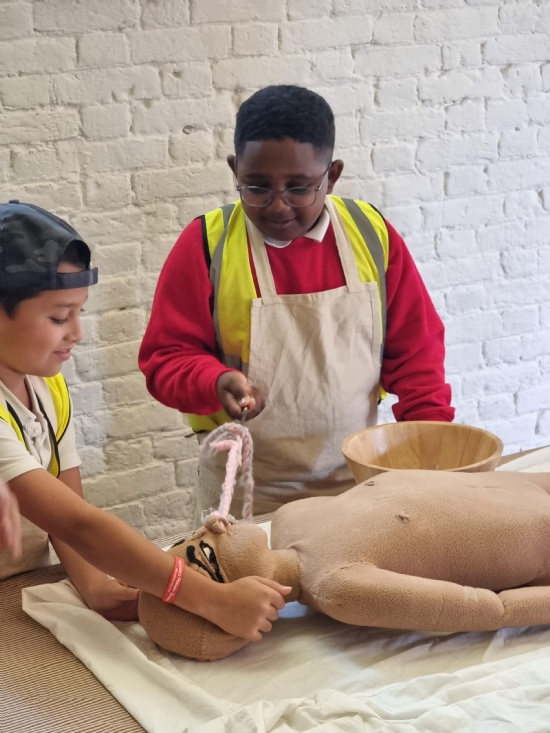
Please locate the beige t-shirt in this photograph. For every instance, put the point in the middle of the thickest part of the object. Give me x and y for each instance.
(17, 459)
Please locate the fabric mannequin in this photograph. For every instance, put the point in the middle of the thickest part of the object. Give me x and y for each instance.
(422, 550)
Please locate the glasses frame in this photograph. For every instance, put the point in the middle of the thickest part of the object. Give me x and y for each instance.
(314, 189)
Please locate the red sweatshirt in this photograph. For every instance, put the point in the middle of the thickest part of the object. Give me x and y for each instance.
(177, 354)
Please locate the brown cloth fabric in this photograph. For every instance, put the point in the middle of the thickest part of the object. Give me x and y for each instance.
(420, 550)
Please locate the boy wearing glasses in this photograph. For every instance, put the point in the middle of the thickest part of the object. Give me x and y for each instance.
(292, 308)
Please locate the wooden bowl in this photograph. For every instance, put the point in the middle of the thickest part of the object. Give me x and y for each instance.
(437, 446)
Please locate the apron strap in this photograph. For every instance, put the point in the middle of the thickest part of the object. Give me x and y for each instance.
(266, 283)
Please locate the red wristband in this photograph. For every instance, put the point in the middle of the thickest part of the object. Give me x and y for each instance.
(175, 580)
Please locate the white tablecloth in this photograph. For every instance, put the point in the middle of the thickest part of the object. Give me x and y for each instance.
(313, 674)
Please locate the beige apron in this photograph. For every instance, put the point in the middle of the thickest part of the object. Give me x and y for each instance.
(316, 359)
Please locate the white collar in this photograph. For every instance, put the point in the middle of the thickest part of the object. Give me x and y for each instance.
(33, 420)
(317, 232)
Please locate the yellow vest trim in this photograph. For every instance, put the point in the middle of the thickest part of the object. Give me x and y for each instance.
(234, 322)
(7, 417)
(368, 272)
(62, 405)
(234, 288)
(206, 423)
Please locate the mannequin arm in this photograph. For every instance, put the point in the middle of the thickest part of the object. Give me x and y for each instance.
(368, 596)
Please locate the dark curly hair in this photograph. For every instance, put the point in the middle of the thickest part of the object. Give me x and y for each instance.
(286, 111)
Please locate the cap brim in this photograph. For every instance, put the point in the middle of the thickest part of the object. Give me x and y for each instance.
(81, 279)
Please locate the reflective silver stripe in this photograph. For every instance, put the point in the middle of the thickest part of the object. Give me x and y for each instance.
(374, 245)
(215, 275)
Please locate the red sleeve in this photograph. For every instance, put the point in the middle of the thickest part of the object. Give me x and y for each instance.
(177, 354)
(414, 352)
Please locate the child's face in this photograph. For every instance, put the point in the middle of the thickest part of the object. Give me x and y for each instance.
(278, 165)
(38, 338)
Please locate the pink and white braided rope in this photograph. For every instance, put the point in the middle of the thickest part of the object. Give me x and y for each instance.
(234, 438)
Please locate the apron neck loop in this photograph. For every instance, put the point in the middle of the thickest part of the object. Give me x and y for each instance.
(268, 291)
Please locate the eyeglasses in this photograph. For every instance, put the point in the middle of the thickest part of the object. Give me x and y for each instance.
(296, 196)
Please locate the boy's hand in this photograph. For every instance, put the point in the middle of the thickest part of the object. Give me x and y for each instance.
(10, 523)
(247, 607)
(112, 600)
(235, 393)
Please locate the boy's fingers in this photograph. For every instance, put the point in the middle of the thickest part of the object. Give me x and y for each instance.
(265, 626)
(282, 589)
(242, 392)
(128, 594)
(234, 385)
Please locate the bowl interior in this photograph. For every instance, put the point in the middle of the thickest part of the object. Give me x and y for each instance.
(421, 445)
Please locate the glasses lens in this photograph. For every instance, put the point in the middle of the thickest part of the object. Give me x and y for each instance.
(300, 196)
(295, 196)
(256, 195)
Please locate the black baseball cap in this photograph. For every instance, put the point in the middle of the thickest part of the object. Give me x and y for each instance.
(32, 243)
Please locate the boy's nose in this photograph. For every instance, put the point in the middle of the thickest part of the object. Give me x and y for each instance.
(75, 333)
(278, 203)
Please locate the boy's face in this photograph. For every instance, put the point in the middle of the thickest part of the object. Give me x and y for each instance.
(278, 165)
(38, 338)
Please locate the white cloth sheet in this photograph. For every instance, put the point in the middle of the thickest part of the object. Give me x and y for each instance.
(536, 462)
(313, 674)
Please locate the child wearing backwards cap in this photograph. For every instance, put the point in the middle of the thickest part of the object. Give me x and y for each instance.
(44, 278)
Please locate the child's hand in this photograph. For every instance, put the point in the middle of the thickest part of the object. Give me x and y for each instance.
(247, 607)
(112, 600)
(10, 523)
(235, 393)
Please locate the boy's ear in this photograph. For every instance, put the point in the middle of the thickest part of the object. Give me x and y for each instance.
(334, 173)
(232, 163)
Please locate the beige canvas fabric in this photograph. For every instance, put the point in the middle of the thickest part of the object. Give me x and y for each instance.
(318, 364)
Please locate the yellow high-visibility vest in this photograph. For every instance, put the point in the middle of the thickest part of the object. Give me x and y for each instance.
(226, 248)
(62, 405)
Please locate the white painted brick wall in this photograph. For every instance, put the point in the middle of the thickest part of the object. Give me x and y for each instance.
(119, 116)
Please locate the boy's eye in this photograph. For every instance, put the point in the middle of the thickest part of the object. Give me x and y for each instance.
(293, 190)
(59, 321)
(258, 190)
(299, 190)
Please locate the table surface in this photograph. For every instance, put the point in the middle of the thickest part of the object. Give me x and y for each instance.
(43, 687)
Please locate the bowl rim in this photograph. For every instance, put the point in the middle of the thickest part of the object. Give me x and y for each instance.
(495, 454)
